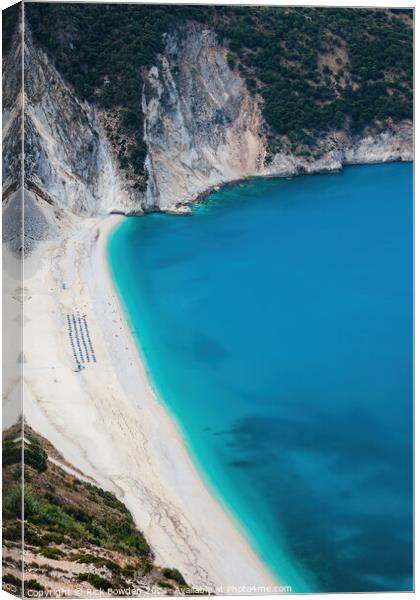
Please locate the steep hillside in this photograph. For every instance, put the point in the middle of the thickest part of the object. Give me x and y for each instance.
(202, 126)
(322, 69)
(315, 69)
(67, 158)
(136, 108)
(12, 100)
(77, 536)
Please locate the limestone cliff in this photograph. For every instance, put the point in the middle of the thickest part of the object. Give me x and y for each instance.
(68, 161)
(339, 149)
(202, 127)
(69, 168)
(12, 114)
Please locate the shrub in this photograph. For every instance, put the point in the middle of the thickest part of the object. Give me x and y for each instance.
(147, 567)
(98, 582)
(33, 584)
(54, 553)
(13, 531)
(175, 575)
(9, 578)
(12, 503)
(12, 452)
(231, 60)
(99, 561)
(32, 538)
(35, 456)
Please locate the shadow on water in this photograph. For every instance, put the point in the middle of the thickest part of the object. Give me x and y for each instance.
(209, 350)
(348, 549)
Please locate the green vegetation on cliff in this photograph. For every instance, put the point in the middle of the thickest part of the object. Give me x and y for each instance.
(69, 521)
(315, 69)
(321, 69)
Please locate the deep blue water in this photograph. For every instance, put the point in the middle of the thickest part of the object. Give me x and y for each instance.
(276, 323)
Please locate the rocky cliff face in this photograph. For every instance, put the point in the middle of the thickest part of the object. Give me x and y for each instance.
(68, 160)
(69, 168)
(202, 128)
(12, 102)
(12, 149)
(339, 149)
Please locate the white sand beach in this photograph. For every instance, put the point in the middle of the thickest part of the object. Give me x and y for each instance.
(107, 422)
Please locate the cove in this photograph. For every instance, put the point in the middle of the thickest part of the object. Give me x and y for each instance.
(276, 324)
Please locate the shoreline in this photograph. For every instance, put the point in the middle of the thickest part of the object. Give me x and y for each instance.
(322, 170)
(107, 421)
(334, 168)
(110, 424)
(153, 395)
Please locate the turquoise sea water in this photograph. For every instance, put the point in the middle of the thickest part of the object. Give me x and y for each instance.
(276, 323)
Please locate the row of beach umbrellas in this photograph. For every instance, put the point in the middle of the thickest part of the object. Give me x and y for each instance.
(78, 333)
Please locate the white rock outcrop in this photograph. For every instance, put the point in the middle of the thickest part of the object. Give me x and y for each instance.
(202, 128)
(68, 161)
(396, 144)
